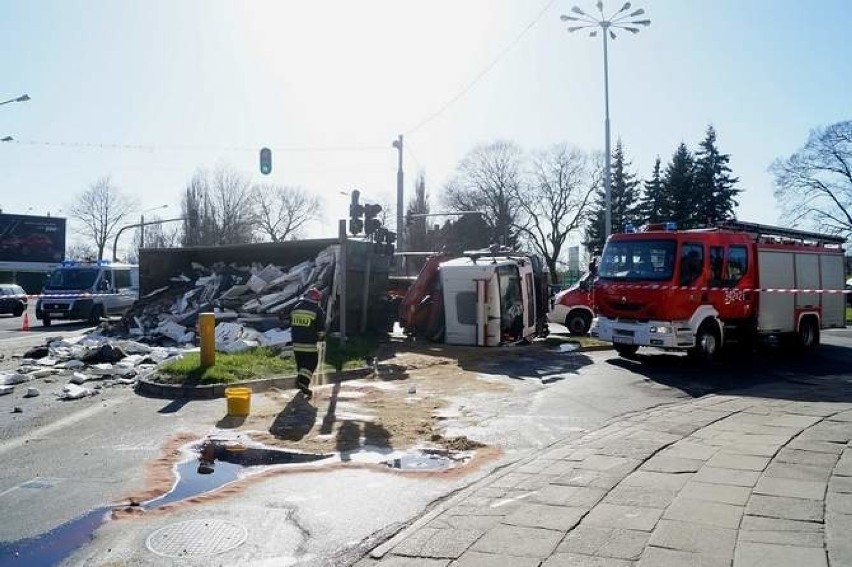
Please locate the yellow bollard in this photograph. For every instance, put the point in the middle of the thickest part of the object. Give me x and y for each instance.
(207, 335)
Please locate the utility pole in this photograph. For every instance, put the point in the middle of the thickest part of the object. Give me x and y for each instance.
(400, 198)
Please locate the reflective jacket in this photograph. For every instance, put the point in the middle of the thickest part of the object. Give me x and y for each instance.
(307, 325)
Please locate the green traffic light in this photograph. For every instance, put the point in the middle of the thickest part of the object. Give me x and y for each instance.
(266, 161)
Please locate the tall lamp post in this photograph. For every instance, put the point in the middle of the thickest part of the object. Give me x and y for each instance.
(22, 98)
(621, 20)
(142, 223)
(400, 205)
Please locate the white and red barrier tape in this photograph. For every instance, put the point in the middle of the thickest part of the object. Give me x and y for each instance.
(744, 290)
(66, 295)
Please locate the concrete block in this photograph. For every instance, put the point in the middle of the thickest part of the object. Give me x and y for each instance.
(738, 462)
(723, 493)
(715, 475)
(659, 557)
(626, 495)
(797, 472)
(624, 517)
(689, 450)
(478, 559)
(707, 513)
(438, 543)
(561, 495)
(750, 553)
(801, 457)
(807, 489)
(592, 479)
(842, 484)
(572, 560)
(519, 541)
(667, 464)
(606, 542)
(610, 465)
(786, 508)
(839, 503)
(649, 479)
(561, 518)
(697, 538)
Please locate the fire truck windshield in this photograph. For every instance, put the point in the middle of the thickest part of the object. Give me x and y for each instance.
(634, 260)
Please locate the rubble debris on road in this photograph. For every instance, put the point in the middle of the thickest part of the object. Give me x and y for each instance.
(12, 378)
(4, 390)
(32, 393)
(74, 392)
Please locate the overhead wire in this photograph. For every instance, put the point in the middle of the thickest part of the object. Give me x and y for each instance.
(479, 76)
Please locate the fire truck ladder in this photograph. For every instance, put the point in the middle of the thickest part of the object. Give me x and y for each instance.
(762, 231)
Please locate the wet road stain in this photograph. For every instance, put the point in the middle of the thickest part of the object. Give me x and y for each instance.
(52, 547)
(428, 460)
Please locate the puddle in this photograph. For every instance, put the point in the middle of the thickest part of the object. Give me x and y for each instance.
(219, 464)
(54, 546)
(428, 460)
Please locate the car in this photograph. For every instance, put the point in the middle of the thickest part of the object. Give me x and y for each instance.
(574, 307)
(13, 300)
(88, 291)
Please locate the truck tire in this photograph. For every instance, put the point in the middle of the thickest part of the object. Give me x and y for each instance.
(45, 321)
(707, 342)
(626, 351)
(96, 314)
(578, 322)
(808, 335)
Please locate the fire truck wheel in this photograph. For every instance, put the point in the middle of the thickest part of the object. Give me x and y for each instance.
(626, 351)
(808, 333)
(578, 322)
(707, 342)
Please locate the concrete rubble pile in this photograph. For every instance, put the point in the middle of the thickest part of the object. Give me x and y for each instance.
(251, 304)
(95, 360)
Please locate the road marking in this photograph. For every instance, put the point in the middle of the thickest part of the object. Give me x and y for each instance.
(46, 430)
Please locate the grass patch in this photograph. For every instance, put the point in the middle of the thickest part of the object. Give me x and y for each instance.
(584, 341)
(229, 367)
(849, 313)
(353, 354)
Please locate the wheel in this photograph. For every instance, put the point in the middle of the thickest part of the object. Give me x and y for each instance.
(626, 351)
(808, 337)
(578, 322)
(707, 342)
(45, 321)
(19, 310)
(96, 314)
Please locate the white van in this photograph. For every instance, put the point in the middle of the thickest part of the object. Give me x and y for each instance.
(88, 291)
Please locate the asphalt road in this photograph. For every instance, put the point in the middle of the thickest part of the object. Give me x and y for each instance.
(88, 453)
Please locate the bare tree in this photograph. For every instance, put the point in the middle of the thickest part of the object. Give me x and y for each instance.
(100, 210)
(218, 209)
(555, 200)
(488, 179)
(814, 184)
(157, 235)
(282, 212)
(79, 251)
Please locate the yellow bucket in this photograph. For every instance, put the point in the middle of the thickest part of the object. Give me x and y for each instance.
(239, 401)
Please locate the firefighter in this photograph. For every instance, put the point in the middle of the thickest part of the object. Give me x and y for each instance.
(307, 324)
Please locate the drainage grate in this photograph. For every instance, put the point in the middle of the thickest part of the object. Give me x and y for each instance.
(196, 538)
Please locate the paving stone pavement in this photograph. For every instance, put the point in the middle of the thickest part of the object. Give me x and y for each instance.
(763, 477)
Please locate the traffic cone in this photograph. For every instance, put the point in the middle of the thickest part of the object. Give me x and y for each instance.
(25, 324)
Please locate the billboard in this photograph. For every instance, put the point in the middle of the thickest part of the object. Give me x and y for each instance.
(25, 238)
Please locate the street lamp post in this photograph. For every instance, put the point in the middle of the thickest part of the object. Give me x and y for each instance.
(400, 236)
(22, 98)
(142, 223)
(621, 20)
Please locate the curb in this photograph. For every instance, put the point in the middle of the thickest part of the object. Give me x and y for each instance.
(212, 391)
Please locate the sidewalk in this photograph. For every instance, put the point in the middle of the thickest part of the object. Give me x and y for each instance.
(763, 477)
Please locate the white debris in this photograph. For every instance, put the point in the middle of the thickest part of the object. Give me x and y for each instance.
(104, 369)
(12, 378)
(276, 338)
(73, 364)
(4, 389)
(32, 393)
(42, 373)
(46, 361)
(256, 284)
(78, 378)
(171, 330)
(74, 392)
(239, 345)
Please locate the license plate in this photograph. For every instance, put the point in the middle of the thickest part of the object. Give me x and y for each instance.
(622, 340)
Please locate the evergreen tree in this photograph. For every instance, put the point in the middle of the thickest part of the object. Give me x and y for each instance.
(624, 194)
(416, 234)
(679, 190)
(714, 185)
(655, 207)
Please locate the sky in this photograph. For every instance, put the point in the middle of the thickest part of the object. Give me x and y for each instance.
(149, 91)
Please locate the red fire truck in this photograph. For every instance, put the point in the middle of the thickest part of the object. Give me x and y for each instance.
(697, 290)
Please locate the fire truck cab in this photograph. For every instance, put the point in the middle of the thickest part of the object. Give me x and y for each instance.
(697, 290)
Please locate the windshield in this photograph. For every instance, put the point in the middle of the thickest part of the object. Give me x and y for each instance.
(72, 279)
(632, 260)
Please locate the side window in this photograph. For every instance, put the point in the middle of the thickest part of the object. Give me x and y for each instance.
(105, 282)
(530, 301)
(691, 263)
(466, 307)
(717, 262)
(122, 278)
(737, 265)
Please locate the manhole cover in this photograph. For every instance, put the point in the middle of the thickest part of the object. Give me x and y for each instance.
(196, 538)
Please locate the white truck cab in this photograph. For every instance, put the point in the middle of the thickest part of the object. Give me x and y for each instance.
(88, 291)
